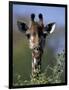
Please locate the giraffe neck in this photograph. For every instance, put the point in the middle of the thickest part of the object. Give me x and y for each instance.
(36, 62)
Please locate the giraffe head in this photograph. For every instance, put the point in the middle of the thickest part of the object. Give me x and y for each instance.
(37, 32)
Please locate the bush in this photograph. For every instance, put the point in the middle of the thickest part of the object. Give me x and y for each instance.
(56, 72)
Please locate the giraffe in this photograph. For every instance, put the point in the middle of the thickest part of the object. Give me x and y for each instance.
(36, 35)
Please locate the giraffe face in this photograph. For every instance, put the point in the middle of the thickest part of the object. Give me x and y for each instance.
(36, 33)
(36, 36)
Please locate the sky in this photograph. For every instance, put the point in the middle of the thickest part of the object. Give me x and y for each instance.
(50, 14)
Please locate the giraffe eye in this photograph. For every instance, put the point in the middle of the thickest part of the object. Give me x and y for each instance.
(28, 35)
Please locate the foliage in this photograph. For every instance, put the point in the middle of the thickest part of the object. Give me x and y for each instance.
(49, 76)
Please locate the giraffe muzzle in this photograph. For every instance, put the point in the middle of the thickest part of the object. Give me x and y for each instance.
(37, 52)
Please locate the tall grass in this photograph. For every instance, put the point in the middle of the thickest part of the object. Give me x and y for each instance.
(49, 76)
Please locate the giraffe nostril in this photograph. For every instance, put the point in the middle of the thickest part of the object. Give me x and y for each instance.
(38, 48)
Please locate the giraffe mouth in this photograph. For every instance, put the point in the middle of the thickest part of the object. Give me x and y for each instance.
(37, 52)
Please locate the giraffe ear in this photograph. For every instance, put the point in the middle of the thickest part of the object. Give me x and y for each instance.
(22, 26)
(50, 27)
